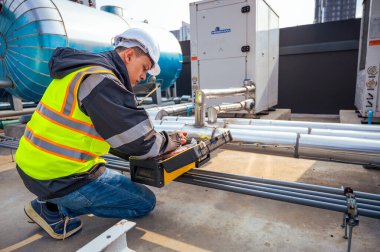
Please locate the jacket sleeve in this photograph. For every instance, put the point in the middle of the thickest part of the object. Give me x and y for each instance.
(116, 117)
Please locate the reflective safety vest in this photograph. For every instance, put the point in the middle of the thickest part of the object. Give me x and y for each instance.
(60, 140)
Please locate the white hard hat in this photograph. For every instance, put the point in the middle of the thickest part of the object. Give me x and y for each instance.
(138, 37)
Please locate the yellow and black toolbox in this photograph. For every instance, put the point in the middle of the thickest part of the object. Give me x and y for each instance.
(161, 170)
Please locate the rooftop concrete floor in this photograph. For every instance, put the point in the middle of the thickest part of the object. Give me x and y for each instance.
(191, 218)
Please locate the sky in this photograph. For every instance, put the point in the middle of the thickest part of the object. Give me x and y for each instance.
(169, 14)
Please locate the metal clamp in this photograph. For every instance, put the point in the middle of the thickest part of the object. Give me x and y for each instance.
(350, 218)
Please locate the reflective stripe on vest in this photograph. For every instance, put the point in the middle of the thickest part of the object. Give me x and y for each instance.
(66, 121)
(61, 140)
(72, 90)
(57, 149)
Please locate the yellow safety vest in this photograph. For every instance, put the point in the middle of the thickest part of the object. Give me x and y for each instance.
(60, 140)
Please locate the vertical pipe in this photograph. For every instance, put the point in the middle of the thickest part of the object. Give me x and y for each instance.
(370, 116)
(199, 108)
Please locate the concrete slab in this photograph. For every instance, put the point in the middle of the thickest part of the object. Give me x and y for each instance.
(191, 218)
(349, 116)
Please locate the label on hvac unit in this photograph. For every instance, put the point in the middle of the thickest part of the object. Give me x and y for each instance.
(219, 31)
(374, 42)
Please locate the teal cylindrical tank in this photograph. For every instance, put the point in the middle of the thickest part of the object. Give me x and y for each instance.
(30, 30)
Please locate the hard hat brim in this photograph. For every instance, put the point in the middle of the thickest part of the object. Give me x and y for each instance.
(155, 70)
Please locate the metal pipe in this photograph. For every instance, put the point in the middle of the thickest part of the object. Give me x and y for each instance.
(273, 194)
(157, 113)
(199, 108)
(225, 92)
(312, 187)
(339, 196)
(366, 203)
(6, 83)
(304, 130)
(303, 195)
(341, 149)
(306, 202)
(9, 113)
(346, 133)
(265, 137)
(317, 190)
(243, 127)
(202, 94)
(262, 122)
(290, 199)
(301, 130)
(213, 111)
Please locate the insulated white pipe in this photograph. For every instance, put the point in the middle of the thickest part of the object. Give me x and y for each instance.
(344, 149)
(346, 133)
(301, 130)
(242, 127)
(262, 122)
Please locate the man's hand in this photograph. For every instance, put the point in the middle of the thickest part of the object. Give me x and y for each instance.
(183, 136)
(174, 140)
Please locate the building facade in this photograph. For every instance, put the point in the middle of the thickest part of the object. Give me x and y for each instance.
(334, 10)
(183, 33)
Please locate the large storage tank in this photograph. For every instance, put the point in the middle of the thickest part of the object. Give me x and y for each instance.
(30, 30)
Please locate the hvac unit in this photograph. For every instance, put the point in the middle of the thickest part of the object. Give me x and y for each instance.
(367, 96)
(235, 42)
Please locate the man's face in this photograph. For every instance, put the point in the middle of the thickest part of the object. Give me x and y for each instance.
(137, 66)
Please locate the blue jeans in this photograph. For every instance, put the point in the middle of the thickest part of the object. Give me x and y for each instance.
(112, 195)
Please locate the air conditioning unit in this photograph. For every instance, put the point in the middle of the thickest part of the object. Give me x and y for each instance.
(235, 42)
(367, 97)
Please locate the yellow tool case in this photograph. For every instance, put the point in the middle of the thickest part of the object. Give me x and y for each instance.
(161, 170)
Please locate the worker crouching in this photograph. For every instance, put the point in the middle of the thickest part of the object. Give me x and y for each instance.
(87, 111)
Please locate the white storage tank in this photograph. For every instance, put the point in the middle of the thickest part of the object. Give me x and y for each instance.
(233, 41)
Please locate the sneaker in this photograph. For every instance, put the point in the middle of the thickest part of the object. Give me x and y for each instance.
(55, 224)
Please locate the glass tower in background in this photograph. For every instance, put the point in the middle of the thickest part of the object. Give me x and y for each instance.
(334, 10)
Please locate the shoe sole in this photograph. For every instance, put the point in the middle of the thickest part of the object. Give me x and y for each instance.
(34, 216)
(29, 220)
